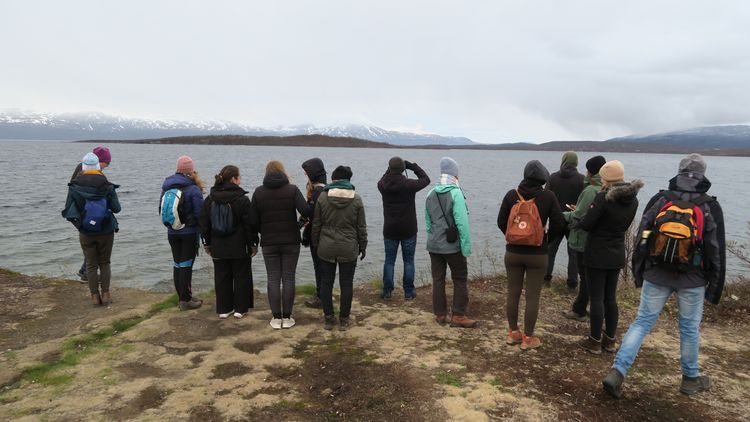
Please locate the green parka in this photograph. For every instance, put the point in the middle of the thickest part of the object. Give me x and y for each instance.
(577, 237)
(339, 231)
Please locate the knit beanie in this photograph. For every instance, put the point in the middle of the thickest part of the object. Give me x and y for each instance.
(396, 165)
(185, 165)
(448, 166)
(103, 154)
(595, 163)
(693, 163)
(342, 173)
(570, 158)
(90, 162)
(612, 171)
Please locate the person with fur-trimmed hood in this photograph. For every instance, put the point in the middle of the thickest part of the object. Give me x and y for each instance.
(607, 222)
(703, 281)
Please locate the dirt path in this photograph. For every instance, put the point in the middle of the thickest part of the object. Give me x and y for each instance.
(394, 364)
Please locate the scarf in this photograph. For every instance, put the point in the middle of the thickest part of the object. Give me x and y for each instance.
(339, 184)
(447, 179)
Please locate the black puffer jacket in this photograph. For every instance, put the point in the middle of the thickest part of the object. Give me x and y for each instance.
(316, 172)
(274, 210)
(399, 211)
(567, 184)
(238, 244)
(607, 221)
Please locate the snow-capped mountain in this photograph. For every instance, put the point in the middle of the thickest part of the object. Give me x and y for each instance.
(80, 126)
(706, 137)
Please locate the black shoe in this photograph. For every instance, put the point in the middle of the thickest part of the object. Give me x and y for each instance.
(575, 316)
(410, 296)
(83, 277)
(343, 324)
(315, 303)
(547, 281)
(572, 285)
(613, 383)
(694, 385)
(329, 322)
(386, 294)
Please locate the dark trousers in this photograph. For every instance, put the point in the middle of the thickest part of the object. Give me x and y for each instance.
(316, 268)
(346, 282)
(582, 300)
(97, 251)
(517, 267)
(459, 275)
(281, 267)
(233, 282)
(603, 294)
(554, 246)
(184, 249)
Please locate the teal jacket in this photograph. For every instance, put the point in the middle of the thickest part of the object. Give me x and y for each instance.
(455, 208)
(577, 237)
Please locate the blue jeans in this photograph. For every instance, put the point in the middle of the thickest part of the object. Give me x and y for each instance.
(408, 247)
(653, 298)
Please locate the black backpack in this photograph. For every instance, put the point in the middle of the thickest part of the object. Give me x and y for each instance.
(222, 219)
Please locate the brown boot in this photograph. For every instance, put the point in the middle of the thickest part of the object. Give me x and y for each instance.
(441, 319)
(609, 344)
(106, 299)
(96, 300)
(461, 321)
(592, 345)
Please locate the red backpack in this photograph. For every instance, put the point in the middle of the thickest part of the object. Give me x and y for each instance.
(525, 227)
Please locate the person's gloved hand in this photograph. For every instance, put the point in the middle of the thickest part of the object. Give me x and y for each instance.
(409, 165)
(362, 254)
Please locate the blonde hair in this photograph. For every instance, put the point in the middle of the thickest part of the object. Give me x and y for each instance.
(309, 188)
(197, 180)
(276, 166)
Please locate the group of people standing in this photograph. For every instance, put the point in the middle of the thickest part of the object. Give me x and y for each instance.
(593, 211)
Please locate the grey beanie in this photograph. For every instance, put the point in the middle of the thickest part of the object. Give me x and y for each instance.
(449, 166)
(693, 163)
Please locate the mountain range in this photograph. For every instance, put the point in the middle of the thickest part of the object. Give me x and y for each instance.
(81, 126)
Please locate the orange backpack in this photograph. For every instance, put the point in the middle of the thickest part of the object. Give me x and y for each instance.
(524, 224)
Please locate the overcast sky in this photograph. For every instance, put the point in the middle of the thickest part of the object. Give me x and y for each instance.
(494, 71)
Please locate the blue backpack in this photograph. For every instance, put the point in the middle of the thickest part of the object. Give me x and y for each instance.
(95, 212)
(172, 209)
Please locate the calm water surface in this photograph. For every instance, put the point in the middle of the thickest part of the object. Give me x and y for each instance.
(35, 239)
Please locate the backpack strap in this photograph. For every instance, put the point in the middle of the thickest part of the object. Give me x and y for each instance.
(437, 196)
(520, 197)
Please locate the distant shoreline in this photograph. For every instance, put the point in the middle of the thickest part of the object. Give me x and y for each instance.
(323, 141)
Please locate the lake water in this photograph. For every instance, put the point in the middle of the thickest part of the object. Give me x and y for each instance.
(35, 239)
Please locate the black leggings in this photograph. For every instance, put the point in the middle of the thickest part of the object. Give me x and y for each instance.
(184, 249)
(346, 279)
(602, 286)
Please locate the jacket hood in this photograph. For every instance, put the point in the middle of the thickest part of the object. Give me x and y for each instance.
(530, 188)
(92, 184)
(535, 170)
(226, 193)
(594, 180)
(690, 182)
(569, 159)
(177, 180)
(315, 170)
(445, 188)
(392, 181)
(341, 198)
(568, 170)
(623, 192)
(275, 180)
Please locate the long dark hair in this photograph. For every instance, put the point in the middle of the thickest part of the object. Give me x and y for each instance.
(226, 174)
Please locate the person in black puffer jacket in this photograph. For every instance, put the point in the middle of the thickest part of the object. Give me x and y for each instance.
(607, 221)
(231, 251)
(530, 261)
(567, 184)
(316, 182)
(275, 205)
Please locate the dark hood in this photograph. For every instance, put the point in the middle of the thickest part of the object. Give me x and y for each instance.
(535, 170)
(226, 193)
(275, 180)
(92, 185)
(177, 180)
(623, 192)
(530, 188)
(567, 171)
(690, 182)
(392, 181)
(315, 170)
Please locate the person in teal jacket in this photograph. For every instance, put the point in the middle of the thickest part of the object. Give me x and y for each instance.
(449, 244)
(578, 236)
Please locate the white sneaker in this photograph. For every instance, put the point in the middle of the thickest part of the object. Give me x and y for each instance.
(276, 323)
(226, 315)
(287, 322)
(238, 315)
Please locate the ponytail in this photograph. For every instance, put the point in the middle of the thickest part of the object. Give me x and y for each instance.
(226, 174)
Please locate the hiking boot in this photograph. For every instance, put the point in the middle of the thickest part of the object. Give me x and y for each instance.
(575, 316)
(694, 385)
(343, 324)
(315, 303)
(287, 322)
(106, 299)
(530, 342)
(330, 321)
(191, 304)
(592, 345)
(462, 322)
(514, 337)
(386, 294)
(96, 300)
(441, 319)
(613, 383)
(410, 296)
(609, 344)
(275, 323)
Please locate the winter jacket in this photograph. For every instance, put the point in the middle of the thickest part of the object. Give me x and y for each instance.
(316, 173)
(76, 172)
(91, 184)
(457, 213)
(274, 210)
(567, 184)
(549, 210)
(238, 244)
(714, 244)
(577, 236)
(192, 202)
(339, 228)
(399, 211)
(607, 221)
